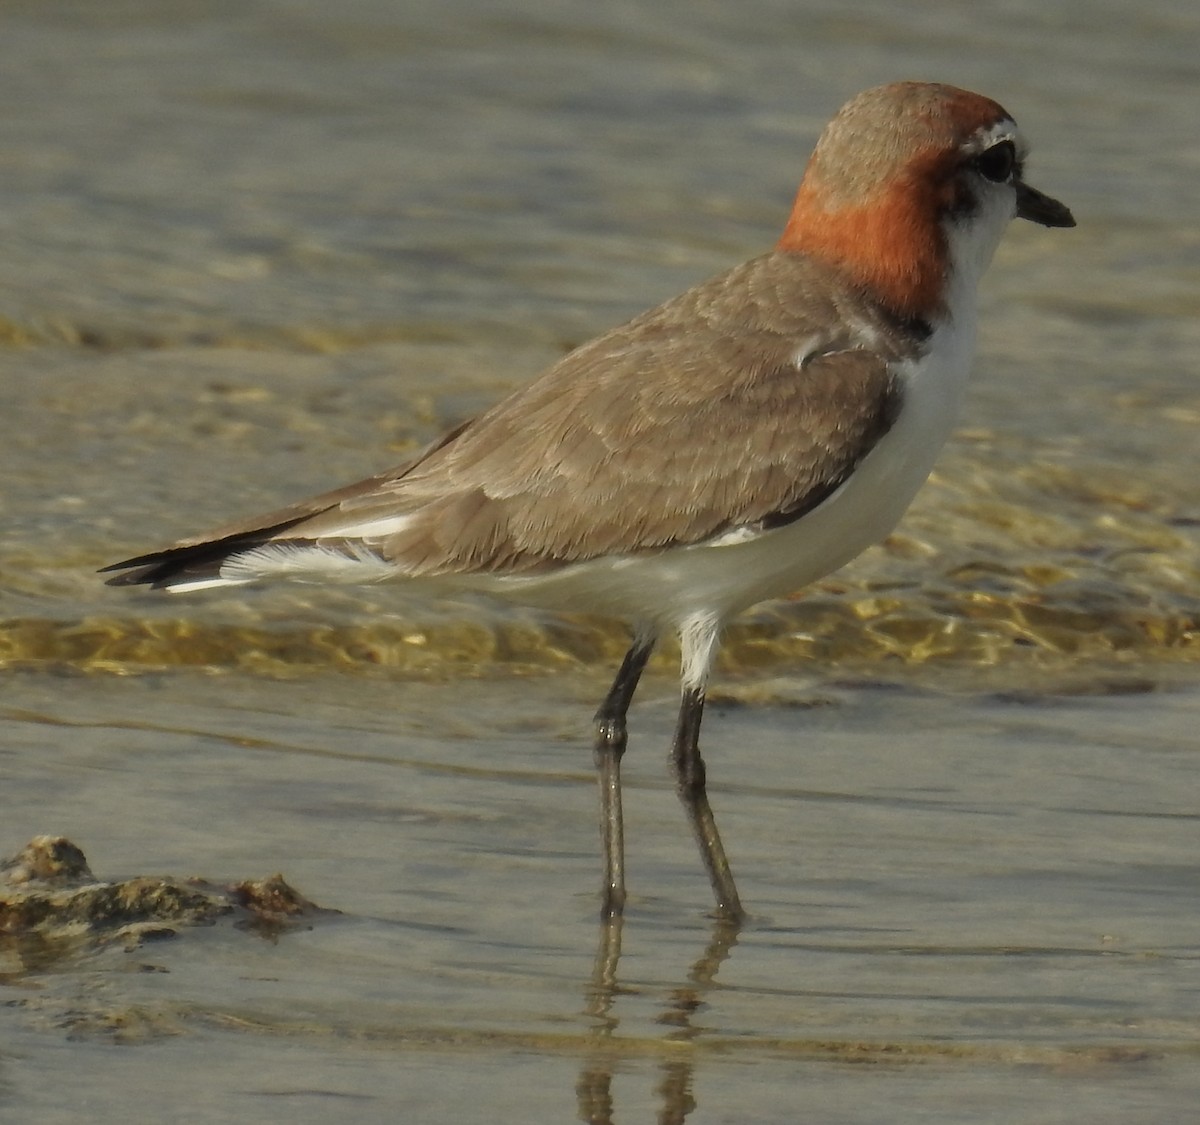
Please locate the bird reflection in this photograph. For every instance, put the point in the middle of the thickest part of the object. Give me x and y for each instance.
(594, 1087)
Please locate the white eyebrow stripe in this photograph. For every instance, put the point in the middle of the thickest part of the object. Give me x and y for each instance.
(1003, 130)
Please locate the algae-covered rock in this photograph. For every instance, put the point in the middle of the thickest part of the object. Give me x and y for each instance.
(48, 891)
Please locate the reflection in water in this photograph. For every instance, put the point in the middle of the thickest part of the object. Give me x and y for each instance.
(593, 1091)
(594, 1088)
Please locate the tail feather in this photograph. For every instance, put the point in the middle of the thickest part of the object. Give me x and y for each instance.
(189, 565)
(195, 563)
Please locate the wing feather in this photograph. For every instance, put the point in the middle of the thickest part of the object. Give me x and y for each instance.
(738, 405)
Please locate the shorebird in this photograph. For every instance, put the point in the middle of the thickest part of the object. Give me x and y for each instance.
(734, 444)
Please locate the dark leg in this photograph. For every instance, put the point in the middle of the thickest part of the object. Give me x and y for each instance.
(690, 779)
(610, 745)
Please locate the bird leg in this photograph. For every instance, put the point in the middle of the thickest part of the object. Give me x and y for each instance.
(610, 743)
(690, 783)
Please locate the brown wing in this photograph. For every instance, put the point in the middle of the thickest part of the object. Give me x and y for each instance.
(733, 405)
(654, 463)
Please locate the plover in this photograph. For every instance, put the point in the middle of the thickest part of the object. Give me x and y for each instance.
(734, 444)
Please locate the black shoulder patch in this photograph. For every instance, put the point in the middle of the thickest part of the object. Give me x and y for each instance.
(883, 418)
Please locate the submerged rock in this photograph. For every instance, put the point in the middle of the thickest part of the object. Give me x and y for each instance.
(48, 892)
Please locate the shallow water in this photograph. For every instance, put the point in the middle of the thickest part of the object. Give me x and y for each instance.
(982, 899)
(253, 250)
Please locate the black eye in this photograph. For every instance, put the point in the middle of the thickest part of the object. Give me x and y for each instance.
(998, 162)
